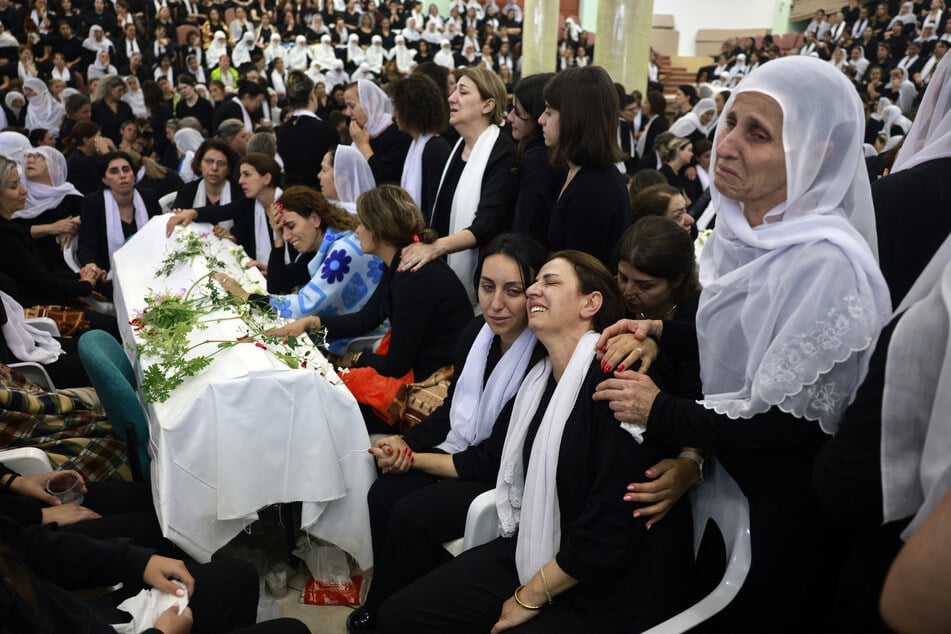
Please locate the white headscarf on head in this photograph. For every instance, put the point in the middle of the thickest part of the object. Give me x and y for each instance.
(376, 105)
(444, 56)
(362, 72)
(325, 54)
(135, 99)
(40, 196)
(15, 147)
(352, 176)
(402, 54)
(806, 350)
(355, 54)
(12, 96)
(217, 48)
(6, 38)
(906, 92)
(242, 51)
(892, 116)
(188, 141)
(930, 135)
(314, 73)
(337, 75)
(409, 32)
(274, 49)
(43, 111)
(375, 56)
(687, 124)
(92, 44)
(298, 58)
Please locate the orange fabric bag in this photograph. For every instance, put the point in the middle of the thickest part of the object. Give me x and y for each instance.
(372, 388)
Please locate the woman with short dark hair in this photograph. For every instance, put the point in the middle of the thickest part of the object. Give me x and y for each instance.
(580, 130)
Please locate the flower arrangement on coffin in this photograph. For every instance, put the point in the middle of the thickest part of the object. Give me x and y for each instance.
(165, 329)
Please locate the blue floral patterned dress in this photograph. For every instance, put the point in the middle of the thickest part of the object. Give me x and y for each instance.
(342, 279)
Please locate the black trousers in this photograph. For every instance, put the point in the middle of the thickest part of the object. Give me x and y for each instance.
(411, 516)
(466, 595)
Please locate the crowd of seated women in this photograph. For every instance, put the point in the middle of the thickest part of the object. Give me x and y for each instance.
(386, 192)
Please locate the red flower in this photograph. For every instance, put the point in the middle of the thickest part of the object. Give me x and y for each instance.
(303, 364)
(260, 345)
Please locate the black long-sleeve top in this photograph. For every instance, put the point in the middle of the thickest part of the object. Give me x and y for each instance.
(497, 200)
(50, 562)
(47, 246)
(93, 240)
(593, 211)
(389, 153)
(435, 155)
(427, 310)
(302, 142)
(83, 172)
(537, 188)
(35, 284)
(23, 510)
(111, 122)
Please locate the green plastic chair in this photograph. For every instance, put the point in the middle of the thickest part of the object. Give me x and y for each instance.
(114, 379)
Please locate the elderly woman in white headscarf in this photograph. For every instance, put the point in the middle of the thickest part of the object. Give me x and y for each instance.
(403, 55)
(324, 53)
(697, 123)
(373, 131)
(894, 123)
(376, 55)
(53, 205)
(135, 97)
(344, 175)
(275, 49)
(793, 301)
(337, 75)
(187, 142)
(362, 72)
(101, 66)
(243, 49)
(355, 54)
(217, 48)
(298, 58)
(97, 40)
(444, 56)
(15, 147)
(42, 110)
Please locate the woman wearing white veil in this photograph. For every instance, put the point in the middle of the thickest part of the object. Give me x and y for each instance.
(187, 141)
(373, 131)
(97, 41)
(784, 338)
(892, 116)
(444, 56)
(15, 146)
(324, 53)
(403, 55)
(135, 97)
(337, 74)
(217, 48)
(375, 55)
(697, 123)
(298, 58)
(42, 110)
(243, 49)
(344, 175)
(275, 49)
(355, 54)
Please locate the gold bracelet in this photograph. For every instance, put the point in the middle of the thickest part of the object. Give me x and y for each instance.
(525, 605)
(541, 572)
(355, 357)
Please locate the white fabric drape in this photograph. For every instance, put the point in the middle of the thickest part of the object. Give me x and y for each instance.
(262, 234)
(474, 409)
(528, 502)
(412, 178)
(352, 176)
(805, 350)
(376, 105)
(930, 135)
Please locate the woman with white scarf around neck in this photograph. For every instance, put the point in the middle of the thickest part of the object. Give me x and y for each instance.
(493, 354)
(570, 558)
(112, 216)
(784, 338)
(476, 195)
(42, 111)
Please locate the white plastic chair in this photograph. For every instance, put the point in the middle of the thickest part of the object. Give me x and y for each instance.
(35, 373)
(482, 525)
(70, 257)
(166, 201)
(718, 498)
(45, 324)
(27, 461)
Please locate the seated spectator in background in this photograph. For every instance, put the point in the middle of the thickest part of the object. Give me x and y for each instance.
(108, 109)
(245, 106)
(664, 201)
(677, 156)
(152, 175)
(655, 122)
(698, 123)
(82, 156)
(213, 162)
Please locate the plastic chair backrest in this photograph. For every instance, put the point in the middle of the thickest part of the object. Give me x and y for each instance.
(718, 498)
(45, 324)
(165, 202)
(114, 379)
(27, 461)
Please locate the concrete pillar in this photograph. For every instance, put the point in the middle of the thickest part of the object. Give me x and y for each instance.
(623, 40)
(539, 37)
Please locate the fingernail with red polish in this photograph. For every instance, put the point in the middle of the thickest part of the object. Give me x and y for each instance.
(389, 450)
(620, 368)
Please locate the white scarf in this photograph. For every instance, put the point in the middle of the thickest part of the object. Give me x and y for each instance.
(465, 201)
(245, 115)
(412, 179)
(528, 502)
(262, 234)
(201, 195)
(474, 410)
(114, 236)
(40, 196)
(916, 443)
(930, 135)
(43, 111)
(642, 141)
(25, 342)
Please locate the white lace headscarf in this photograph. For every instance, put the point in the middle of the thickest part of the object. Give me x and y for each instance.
(791, 309)
(930, 135)
(352, 176)
(376, 105)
